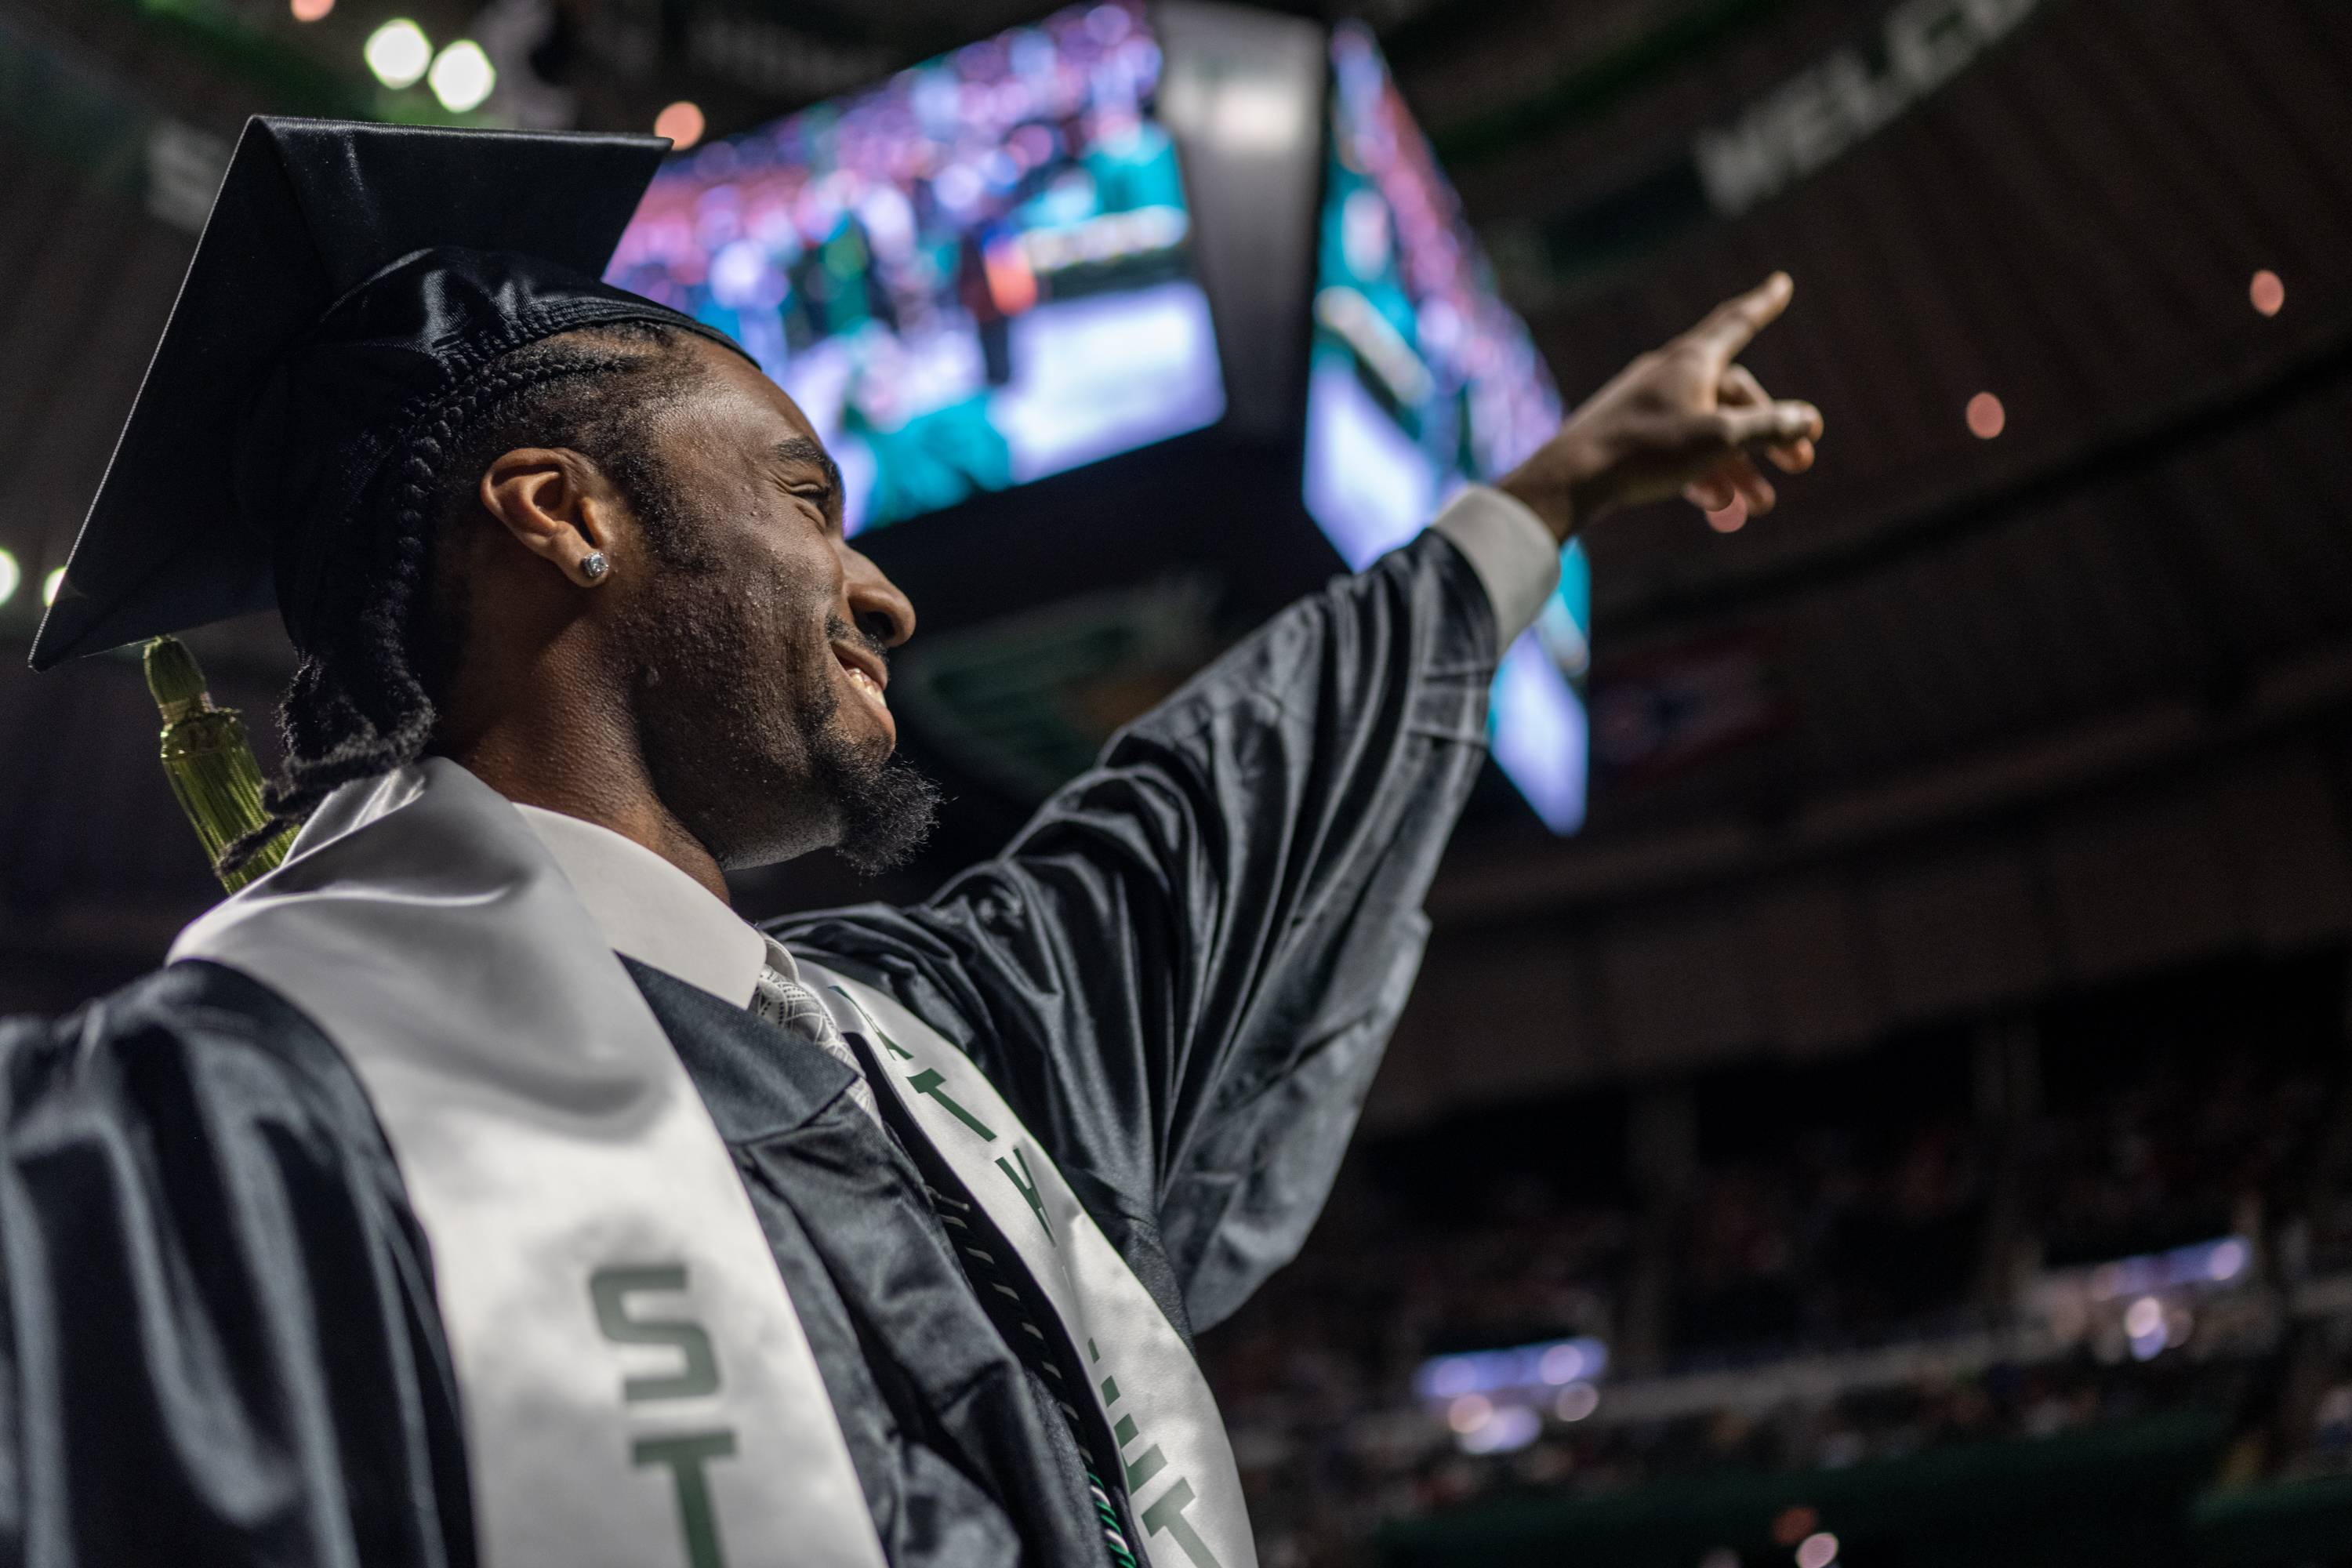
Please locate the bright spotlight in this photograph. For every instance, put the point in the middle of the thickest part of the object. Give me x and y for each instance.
(399, 53)
(11, 574)
(1817, 1550)
(2267, 292)
(682, 122)
(51, 584)
(462, 75)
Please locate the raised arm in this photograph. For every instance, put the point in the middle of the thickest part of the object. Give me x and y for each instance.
(1183, 971)
(1231, 893)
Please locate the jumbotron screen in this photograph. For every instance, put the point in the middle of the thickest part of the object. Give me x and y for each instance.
(973, 276)
(1419, 380)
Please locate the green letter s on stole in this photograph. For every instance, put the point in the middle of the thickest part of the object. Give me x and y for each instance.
(684, 1453)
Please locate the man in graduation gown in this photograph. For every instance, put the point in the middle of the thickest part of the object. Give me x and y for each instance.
(476, 1187)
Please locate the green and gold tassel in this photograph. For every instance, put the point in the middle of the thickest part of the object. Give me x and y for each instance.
(210, 763)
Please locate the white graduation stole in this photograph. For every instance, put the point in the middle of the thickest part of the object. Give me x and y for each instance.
(637, 1389)
(1172, 1447)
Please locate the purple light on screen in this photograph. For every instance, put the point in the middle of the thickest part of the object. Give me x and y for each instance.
(1537, 728)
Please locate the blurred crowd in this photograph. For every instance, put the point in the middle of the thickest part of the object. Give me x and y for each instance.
(1870, 1259)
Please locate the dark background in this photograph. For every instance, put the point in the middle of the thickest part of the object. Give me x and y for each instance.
(1965, 895)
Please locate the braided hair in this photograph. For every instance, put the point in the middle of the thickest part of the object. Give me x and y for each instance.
(365, 697)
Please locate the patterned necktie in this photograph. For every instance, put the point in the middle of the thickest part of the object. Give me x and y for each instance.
(780, 998)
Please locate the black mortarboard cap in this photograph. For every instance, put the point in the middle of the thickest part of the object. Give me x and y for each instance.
(349, 276)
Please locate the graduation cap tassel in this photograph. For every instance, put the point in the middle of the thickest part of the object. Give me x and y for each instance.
(210, 763)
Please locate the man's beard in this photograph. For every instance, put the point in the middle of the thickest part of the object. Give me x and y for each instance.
(727, 747)
(882, 804)
(885, 805)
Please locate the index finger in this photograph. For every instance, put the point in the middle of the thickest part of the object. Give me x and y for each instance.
(1732, 325)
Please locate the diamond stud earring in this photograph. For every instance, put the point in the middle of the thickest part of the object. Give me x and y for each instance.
(594, 565)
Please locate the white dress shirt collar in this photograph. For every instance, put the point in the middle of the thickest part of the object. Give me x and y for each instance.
(650, 910)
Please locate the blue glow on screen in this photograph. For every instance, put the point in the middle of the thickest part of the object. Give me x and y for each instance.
(1517, 1370)
(1421, 379)
(975, 275)
(1538, 734)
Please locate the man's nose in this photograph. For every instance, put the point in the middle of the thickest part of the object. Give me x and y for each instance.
(876, 606)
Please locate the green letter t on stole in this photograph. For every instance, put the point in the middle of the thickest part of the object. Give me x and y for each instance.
(684, 1453)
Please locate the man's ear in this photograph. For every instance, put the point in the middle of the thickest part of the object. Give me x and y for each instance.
(556, 504)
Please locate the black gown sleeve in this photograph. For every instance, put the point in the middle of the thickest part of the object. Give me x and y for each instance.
(218, 1342)
(1183, 971)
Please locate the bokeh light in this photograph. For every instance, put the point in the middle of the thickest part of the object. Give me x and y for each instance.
(1469, 1413)
(1576, 1402)
(2149, 1329)
(681, 122)
(399, 53)
(1561, 1363)
(2267, 292)
(11, 574)
(1729, 518)
(462, 75)
(1987, 418)
(1509, 1429)
(1794, 1524)
(311, 10)
(1817, 1550)
(51, 584)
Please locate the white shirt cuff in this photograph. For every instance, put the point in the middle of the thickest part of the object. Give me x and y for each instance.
(1508, 546)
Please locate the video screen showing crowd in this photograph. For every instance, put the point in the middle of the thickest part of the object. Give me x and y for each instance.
(1423, 380)
(973, 276)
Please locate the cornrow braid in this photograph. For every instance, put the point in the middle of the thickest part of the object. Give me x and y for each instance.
(365, 697)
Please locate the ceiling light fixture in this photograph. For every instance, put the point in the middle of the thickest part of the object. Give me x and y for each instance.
(462, 77)
(399, 53)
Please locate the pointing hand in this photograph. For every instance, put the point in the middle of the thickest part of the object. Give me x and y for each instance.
(1683, 419)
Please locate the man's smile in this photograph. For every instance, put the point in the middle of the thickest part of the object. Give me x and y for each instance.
(867, 673)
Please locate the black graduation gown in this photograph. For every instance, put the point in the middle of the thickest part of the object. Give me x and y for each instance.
(219, 1342)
